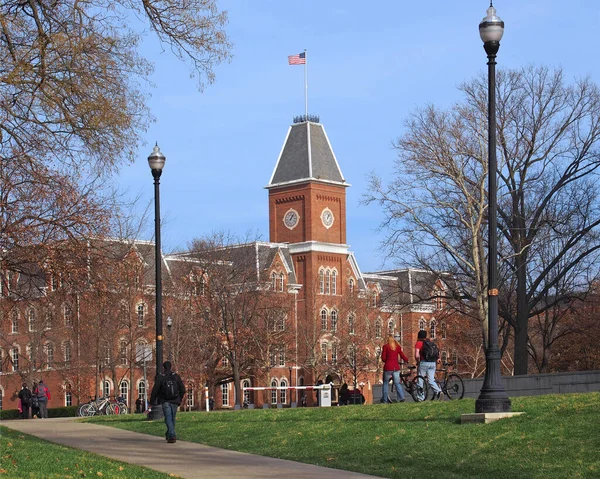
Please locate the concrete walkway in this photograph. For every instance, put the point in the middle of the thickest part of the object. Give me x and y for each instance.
(185, 459)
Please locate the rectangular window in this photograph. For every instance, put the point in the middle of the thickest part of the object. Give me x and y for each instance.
(50, 355)
(106, 388)
(282, 356)
(15, 321)
(68, 398)
(14, 355)
(123, 352)
(225, 394)
(283, 394)
(190, 397)
(324, 352)
(272, 356)
(334, 354)
(67, 353)
(68, 315)
(140, 315)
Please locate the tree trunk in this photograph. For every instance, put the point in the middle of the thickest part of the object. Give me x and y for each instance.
(521, 323)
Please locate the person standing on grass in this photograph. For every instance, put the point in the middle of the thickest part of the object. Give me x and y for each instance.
(25, 397)
(43, 396)
(427, 365)
(169, 391)
(390, 355)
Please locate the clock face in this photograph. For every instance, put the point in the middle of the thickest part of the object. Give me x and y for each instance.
(327, 218)
(290, 219)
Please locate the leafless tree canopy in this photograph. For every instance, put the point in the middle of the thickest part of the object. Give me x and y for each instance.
(73, 102)
(548, 209)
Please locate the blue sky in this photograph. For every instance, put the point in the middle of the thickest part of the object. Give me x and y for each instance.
(369, 67)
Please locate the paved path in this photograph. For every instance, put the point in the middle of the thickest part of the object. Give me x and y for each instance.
(185, 459)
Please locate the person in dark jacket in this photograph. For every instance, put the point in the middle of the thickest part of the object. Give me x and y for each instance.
(25, 397)
(168, 391)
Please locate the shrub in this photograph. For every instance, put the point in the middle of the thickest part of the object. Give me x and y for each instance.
(9, 414)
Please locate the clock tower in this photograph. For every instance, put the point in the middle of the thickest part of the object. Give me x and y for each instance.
(307, 191)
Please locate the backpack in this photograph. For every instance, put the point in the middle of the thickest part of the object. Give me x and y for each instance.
(169, 387)
(429, 351)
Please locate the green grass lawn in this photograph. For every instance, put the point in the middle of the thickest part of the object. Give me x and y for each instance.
(559, 437)
(25, 457)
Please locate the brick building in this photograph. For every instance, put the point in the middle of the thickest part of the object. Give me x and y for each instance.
(335, 318)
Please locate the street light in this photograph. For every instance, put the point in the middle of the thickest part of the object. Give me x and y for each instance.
(156, 161)
(169, 324)
(493, 397)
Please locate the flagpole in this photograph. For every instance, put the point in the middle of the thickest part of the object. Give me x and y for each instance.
(305, 84)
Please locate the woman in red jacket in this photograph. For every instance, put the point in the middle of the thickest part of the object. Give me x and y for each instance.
(391, 368)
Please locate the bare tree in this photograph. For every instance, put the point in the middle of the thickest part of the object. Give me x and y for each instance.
(548, 135)
(73, 105)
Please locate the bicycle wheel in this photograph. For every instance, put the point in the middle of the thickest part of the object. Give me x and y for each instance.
(454, 387)
(122, 408)
(82, 408)
(88, 410)
(419, 391)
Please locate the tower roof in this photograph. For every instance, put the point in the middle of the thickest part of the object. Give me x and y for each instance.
(306, 156)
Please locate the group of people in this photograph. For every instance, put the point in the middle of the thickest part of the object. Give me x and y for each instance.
(391, 354)
(33, 403)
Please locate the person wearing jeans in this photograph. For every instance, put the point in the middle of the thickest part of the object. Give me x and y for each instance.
(426, 368)
(390, 354)
(169, 391)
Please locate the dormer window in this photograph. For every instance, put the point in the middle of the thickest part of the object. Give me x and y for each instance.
(281, 282)
(351, 285)
(274, 281)
(374, 299)
(53, 282)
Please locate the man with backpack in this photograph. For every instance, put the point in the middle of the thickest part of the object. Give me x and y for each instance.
(25, 397)
(169, 391)
(427, 355)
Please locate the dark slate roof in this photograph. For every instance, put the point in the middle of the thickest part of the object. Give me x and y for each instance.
(306, 155)
(405, 286)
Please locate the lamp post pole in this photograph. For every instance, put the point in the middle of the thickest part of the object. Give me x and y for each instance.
(156, 161)
(169, 325)
(493, 397)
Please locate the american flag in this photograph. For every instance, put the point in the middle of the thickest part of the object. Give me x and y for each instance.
(299, 59)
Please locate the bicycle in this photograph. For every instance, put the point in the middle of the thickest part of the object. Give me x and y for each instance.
(417, 391)
(451, 385)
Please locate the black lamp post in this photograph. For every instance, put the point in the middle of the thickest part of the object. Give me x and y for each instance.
(169, 325)
(493, 397)
(156, 161)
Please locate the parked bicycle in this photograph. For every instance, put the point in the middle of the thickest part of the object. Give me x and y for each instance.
(102, 405)
(451, 385)
(417, 386)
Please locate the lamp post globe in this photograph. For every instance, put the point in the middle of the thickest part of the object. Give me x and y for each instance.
(156, 161)
(169, 326)
(493, 397)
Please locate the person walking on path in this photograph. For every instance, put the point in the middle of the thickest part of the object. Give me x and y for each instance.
(169, 391)
(43, 396)
(390, 355)
(25, 398)
(427, 365)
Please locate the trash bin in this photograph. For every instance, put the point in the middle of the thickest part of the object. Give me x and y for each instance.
(325, 396)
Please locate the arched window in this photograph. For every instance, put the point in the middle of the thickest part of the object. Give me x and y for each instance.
(334, 353)
(140, 315)
(334, 282)
(443, 326)
(246, 384)
(67, 351)
(334, 318)
(351, 324)
(351, 285)
(106, 388)
(274, 281)
(324, 319)
(31, 319)
(327, 282)
(124, 391)
(190, 396)
(280, 281)
(14, 356)
(14, 317)
(391, 326)
(283, 392)
(321, 281)
(68, 395)
(421, 325)
(274, 384)
(378, 328)
(142, 390)
(324, 352)
(49, 355)
(432, 325)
